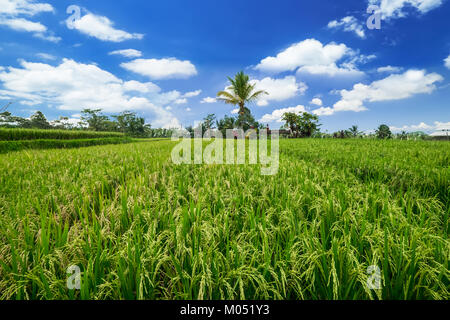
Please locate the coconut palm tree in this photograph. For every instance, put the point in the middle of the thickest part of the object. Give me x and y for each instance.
(354, 131)
(240, 92)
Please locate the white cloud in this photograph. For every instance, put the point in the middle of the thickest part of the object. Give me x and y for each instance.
(21, 24)
(235, 111)
(279, 89)
(170, 68)
(323, 111)
(311, 56)
(74, 122)
(209, 100)
(332, 70)
(101, 28)
(75, 86)
(277, 115)
(46, 56)
(442, 125)
(422, 126)
(25, 7)
(389, 69)
(437, 126)
(128, 53)
(192, 94)
(181, 101)
(394, 87)
(349, 24)
(394, 8)
(12, 13)
(147, 87)
(447, 62)
(317, 102)
(188, 109)
(48, 36)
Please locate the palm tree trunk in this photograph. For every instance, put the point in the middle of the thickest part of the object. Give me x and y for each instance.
(241, 109)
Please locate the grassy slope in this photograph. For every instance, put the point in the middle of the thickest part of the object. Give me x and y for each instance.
(141, 227)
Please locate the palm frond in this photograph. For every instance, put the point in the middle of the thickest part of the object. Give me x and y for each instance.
(240, 92)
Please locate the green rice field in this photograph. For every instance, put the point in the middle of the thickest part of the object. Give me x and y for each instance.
(140, 227)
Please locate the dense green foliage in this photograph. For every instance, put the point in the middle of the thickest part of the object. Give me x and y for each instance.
(127, 123)
(141, 227)
(303, 125)
(35, 134)
(383, 132)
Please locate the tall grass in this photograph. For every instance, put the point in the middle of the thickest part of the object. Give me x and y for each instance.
(36, 134)
(141, 227)
(9, 146)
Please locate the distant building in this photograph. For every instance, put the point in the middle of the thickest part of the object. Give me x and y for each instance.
(441, 135)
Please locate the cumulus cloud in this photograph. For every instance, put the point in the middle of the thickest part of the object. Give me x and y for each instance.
(277, 115)
(75, 86)
(209, 100)
(159, 69)
(101, 28)
(395, 8)
(349, 24)
(15, 14)
(394, 87)
(128, 53)
(323, 111)
(420, 127)
(437, 126)
(20, 24)
(389, 69)
(279, 89)
(447, 62)
(192, 94)
(311, 56)
(317, 102)
(142, 87)
(25, 7)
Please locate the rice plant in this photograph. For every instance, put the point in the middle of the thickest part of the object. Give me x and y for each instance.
(9, 146)
(140, 227)
(37, 134)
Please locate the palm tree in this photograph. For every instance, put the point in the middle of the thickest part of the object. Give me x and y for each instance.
(384, 132)
(240, 92)
(354, 131)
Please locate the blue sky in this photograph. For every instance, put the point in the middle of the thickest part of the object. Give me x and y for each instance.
(166, 60)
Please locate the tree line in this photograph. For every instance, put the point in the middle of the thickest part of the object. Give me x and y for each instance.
(126, 122)
(240, 93)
